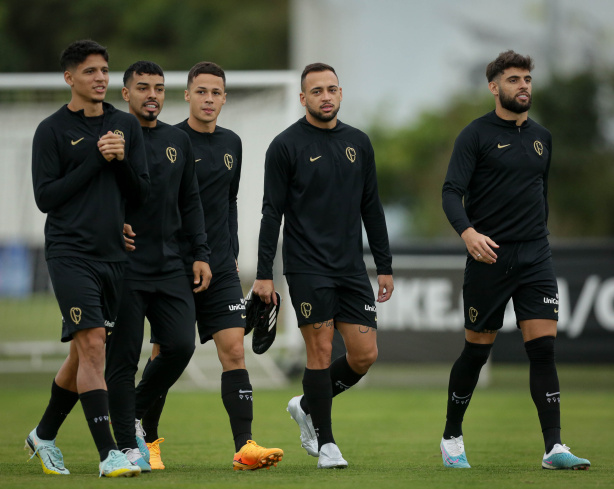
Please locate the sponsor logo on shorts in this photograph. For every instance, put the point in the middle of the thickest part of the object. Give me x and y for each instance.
(473, 314)
(370, 308)
(306, 309)
(109, 324)
(237, 307)
(75, 314)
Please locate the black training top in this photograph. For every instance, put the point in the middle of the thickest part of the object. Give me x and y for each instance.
(173, 208)
(82, 193)
(501, 170)
(323, 181)
(218, 169)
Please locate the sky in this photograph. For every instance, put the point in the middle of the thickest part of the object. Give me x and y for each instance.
(395, 58)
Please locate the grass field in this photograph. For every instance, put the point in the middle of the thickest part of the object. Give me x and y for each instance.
(389, 436)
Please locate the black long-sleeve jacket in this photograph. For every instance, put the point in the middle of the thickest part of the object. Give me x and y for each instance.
(83, 194)
(501, 170)
(323, 182)
(173, 209)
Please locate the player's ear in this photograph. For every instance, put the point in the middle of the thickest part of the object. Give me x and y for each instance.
(493, 87)
(125, 94)
(302, 97)
(68, 78)
(340, 94)
(186, 95)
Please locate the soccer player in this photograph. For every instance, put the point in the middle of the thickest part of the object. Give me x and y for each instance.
(320, 176)
(155, 286)
(220, 310)
(500, 167)
(87, 159)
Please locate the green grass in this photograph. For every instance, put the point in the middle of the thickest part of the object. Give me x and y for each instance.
(389, 436)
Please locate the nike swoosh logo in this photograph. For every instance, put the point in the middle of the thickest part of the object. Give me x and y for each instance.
(196, 161)
(77, 141)
(242, 316)
(500, 146)
(244, 392)
(459, 397)
(556, 311)
(548, 394)
(314, 159)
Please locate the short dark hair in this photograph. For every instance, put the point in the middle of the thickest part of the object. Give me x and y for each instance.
(316, 67)
(78, 51)
(142, 68)
(505, 60)
(206, 68)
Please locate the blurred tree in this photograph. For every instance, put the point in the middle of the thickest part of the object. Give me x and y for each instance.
(236, 34)
(413, 160)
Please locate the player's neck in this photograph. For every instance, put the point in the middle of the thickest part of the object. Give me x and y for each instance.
(321, 124)
(508, 115)
(200, 126)
(89, 108)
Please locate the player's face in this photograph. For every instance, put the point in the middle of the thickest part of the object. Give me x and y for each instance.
(206, 97)
(89, 80)
(515, 90)
(321, 96)
(145, 97)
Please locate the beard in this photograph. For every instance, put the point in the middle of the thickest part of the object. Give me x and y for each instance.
(317, 114)
(513, 105)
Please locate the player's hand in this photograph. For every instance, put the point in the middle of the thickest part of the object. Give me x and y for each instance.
(202, 275)
(386, 286)
(111, 146)
(479, 246)
(265, 289)
(237, 265)
(128, 235)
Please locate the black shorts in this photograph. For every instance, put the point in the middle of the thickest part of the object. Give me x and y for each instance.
(221, 306)
(168, 306)
(524, 273)
(318, 298)
(88, 292)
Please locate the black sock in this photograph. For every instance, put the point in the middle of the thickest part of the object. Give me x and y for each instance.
(463, 379)
(151, 418)
(60, 404)
(237, 397)
(342, 377)
(318, 391)
(96, 409)
(545, 391)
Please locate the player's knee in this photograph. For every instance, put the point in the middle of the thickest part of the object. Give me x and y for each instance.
(233, 354)
(476, 353)
(361, 361)
(540, 350)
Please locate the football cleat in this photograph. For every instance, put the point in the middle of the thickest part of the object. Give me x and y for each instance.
(135, 458)
(331, 458)
(155, 460)
(560, 458)
(50, 456)
(140, 439)
(309, 441)
(117, 465)
(453, 453)
(252, 456)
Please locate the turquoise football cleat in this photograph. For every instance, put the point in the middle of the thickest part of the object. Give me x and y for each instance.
(50, 456)
(560, 458)
(453, 453)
